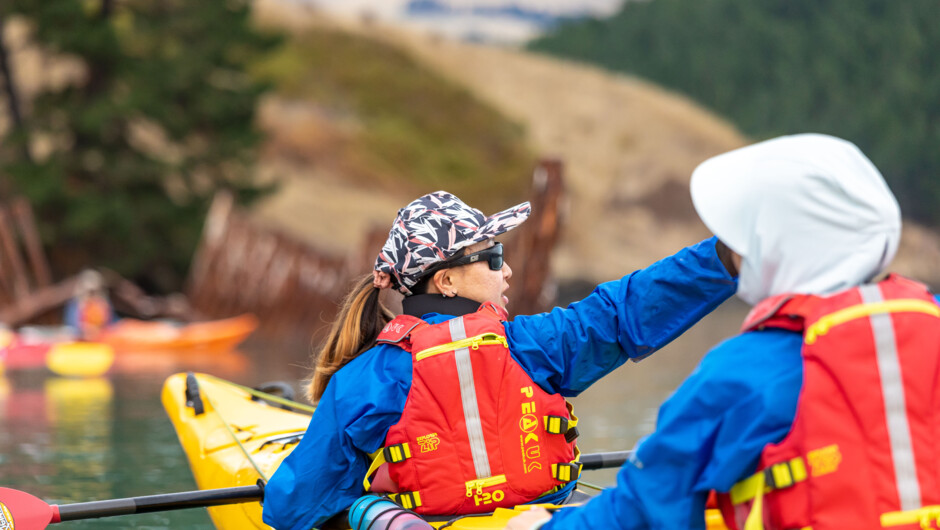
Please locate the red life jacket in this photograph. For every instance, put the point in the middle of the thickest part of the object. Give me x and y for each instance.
(862, 451)
(476, 432)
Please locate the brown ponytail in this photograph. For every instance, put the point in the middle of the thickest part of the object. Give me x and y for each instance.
(361, 317)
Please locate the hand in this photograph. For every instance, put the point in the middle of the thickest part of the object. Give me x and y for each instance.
(725, 254)
(534, 518)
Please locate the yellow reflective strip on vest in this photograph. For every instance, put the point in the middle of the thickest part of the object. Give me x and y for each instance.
(470, 342)
(924, 516)
(827, 322)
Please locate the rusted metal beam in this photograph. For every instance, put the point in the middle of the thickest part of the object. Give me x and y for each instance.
(537, 239)
(295, 288)
(26, 222)
(17, 282)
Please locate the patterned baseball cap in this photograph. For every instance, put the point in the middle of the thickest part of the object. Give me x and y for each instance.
(433, 228)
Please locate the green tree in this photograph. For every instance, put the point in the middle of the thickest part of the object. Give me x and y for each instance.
(864, 70)
(160, 118)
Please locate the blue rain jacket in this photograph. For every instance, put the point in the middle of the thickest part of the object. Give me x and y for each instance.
(709, 435)
(563, 351)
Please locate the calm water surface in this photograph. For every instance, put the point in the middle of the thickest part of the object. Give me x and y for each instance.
(67, 440)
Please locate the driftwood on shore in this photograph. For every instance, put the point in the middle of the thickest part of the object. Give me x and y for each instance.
(28, 293)
(26, 288)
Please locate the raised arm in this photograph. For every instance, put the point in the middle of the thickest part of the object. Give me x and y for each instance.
(566, 350)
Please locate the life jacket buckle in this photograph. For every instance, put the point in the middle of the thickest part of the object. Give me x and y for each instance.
(397, 453)
(566, 472)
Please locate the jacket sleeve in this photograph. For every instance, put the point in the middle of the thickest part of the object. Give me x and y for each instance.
(709, 435)
(323, 475)
(566, 350)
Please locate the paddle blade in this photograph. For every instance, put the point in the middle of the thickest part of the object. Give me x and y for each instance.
(80, 359)
(21, 511)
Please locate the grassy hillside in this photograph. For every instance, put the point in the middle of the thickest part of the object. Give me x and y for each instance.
(628, 147)
(377, 116)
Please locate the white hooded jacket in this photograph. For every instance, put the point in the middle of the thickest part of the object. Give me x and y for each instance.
(807, 213)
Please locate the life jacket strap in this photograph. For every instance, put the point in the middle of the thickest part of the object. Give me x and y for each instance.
(774, 477)
(566, 472)
(777, 476)
(397, 453)
(556, 424)
(408, 500)
(562, 425)
(393, 453)
(378, 458)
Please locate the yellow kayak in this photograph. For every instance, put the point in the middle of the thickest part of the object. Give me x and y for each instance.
(229, 439)
(232, 437)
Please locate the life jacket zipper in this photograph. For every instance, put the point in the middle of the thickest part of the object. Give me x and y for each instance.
(473, 343)
(479, 484)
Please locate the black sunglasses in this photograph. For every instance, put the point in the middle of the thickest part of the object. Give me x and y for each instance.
(494, 255)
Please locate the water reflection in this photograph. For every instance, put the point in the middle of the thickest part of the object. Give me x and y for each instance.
(79, 411)
(68, 440)
(73, 440)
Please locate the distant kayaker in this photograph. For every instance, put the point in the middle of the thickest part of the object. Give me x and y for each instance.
(823, 412)
(89, 310)
(452, 407)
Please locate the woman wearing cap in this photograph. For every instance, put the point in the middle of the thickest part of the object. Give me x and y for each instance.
(452, 407)
(823, 412)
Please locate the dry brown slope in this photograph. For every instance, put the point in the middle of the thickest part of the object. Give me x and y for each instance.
(629, 149)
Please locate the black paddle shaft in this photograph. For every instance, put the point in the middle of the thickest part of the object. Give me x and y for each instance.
(157, 503)
(215, 497)
(605, 460)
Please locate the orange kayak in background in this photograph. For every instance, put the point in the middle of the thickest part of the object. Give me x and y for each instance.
(213, 335)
